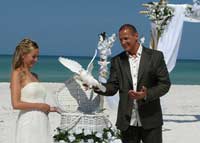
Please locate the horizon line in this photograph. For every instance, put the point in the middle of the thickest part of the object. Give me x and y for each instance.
(92, 56)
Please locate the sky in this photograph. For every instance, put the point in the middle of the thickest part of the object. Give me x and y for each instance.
(71, 27)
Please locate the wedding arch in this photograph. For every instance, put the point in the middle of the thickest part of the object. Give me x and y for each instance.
(167, 24)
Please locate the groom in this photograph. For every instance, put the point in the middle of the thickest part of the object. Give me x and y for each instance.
(141, 77)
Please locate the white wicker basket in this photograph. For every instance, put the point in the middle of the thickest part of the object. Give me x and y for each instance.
(79, 121)
(79, 107)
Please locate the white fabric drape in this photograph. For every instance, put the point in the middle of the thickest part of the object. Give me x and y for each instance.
(169, 42)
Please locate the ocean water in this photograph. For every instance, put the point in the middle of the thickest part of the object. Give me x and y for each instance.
(49, 69)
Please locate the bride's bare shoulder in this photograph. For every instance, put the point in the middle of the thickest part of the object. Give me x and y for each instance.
(17, 74)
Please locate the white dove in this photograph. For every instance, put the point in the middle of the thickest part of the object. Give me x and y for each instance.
(142, 40)
(85, 75)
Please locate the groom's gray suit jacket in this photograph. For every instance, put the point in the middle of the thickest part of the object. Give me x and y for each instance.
(152, 74)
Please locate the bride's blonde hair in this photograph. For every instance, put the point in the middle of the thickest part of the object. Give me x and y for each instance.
(24, 47)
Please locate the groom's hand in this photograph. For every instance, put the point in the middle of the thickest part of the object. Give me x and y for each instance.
(86, 87)
(138, 94)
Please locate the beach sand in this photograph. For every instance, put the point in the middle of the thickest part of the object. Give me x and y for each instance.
(181, 110)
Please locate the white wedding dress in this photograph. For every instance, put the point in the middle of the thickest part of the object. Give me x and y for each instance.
(33, 125)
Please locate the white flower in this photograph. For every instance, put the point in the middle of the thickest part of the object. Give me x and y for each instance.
(78, 131)
(62, 141)
(90, 141)
(87, 132)
(82, 141)
(113, 129)
(109, 135)
(113, 138)
(99, 135)
(71, 138)
(109, 124)
(117, 141)
(70, 132)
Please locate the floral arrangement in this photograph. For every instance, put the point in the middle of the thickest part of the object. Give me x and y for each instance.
(188, 11)
(193, 10)
(104, 46)
(160, 14)
(109, 135)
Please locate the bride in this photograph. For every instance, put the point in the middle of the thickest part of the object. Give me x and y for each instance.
(28, 95)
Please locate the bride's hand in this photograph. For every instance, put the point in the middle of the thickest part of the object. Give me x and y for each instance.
(53, 109)
(44, 107)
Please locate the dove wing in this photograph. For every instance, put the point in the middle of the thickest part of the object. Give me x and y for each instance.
(90, 65)
(71, 64)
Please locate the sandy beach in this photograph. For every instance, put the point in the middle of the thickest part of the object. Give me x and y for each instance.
(180, 109)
